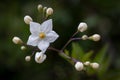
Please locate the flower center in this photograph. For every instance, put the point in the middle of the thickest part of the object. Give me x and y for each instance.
(42, 35)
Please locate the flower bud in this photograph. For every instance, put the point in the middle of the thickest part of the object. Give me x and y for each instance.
(82, 27)
(17, 40)
(27, 58)
(44, 9)
(40, 57)
(79, 66)
(40, 7)
(49, 11)
(84, 37)
(94, 65)
(27, 19)
(95, 37)
(23, 47)
(87, 63)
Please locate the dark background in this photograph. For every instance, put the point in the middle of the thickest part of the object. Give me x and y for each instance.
(102, 17)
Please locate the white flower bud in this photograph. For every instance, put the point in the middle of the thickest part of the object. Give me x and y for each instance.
(27, 19)
(95, 37)
(87, 63)
(79, 66)
(17, 40)
(40, 57)
(84, 37)
(44, 9)
(40, 7)
(23, 47)
(94, 65)
(27, 58)
(82, 27)
(49, 11)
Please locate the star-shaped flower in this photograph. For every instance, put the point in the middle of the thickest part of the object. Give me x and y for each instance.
(42, 34)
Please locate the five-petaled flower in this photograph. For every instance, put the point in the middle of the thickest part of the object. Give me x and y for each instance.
(42, 34)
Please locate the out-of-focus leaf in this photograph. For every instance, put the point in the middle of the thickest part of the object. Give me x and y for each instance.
(66, 52)
(77, 51)
(87, 56)
(101, 54)
(104, 66)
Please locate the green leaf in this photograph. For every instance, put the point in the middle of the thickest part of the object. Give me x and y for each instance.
(104, 66)
(66, 52)
(77, 51)
(101, 54)
(87, 56)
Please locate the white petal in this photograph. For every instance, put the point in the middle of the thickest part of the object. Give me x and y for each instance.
(46, 26)
(35, 28)
(33, 40)
(40, 57)
(43, 45)
(51, 37)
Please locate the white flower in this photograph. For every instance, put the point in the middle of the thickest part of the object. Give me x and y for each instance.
(49, 11)
(27, 58)
(79, 66)
(94, 65)
(27, 19)
(17, 40)
(82, 27)
(42, 34)
(40, 57)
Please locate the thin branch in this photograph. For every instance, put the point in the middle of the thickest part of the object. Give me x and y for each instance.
(63, 54)
(69, 41)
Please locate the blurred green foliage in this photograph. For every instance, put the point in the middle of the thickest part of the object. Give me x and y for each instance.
(100, 57)
(102, 16)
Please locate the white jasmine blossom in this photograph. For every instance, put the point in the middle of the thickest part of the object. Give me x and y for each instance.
(42, 34)
(27, 19)
(82, 27)
(17, 40)
(27, 58)
(49, 11)
(79, 66)
(94, 65)
(40, 57)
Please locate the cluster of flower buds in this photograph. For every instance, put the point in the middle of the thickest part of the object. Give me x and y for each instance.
(47, 11)
(81, 66)
(42, 36)
(95, 37)
(83, 27)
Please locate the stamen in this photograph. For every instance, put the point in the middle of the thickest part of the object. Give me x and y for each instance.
(42, 35)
